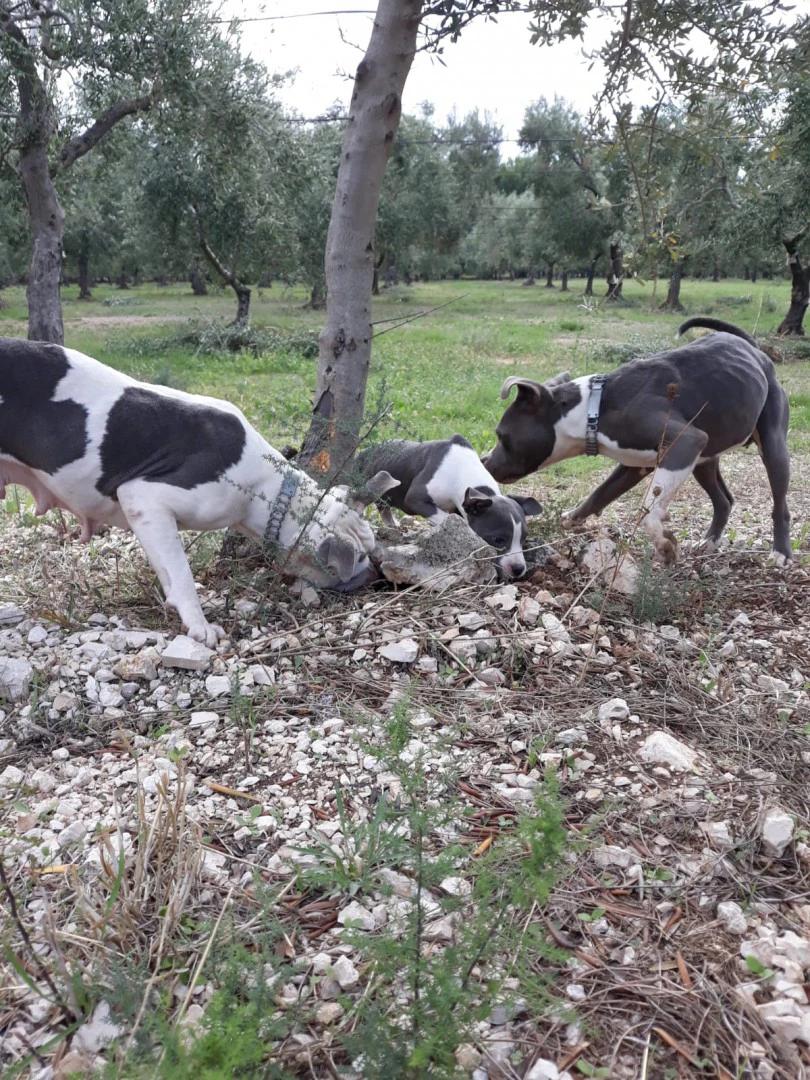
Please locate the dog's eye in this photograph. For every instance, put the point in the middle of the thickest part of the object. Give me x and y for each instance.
(498, 542)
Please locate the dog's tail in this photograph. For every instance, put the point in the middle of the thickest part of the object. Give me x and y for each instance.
(716, 324)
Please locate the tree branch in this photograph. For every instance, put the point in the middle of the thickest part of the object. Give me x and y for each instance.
(208, 251)
(80, 145)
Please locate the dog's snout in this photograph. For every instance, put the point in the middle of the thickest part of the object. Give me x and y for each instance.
(514, 569)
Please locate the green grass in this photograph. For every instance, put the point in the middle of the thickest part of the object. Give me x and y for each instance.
(443, 372)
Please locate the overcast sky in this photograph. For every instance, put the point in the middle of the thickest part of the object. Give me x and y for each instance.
(492, 66)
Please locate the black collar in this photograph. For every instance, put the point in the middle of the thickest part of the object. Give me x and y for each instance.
(595, 384)
(272, 530)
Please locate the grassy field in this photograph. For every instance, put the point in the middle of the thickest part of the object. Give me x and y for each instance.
(442, 373)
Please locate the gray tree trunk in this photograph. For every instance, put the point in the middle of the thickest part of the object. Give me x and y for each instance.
(793, 323)
(673, 300)
(615, 277)
(345, 341)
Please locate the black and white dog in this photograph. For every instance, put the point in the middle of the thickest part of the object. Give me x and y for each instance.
(446, 477)
(115, 451)
(673, 414)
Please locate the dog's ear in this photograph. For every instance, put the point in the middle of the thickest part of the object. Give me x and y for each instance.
(527, 504)
(337, 556)
(475, 502)
(529, 391)
(373, 489)
(558, 380)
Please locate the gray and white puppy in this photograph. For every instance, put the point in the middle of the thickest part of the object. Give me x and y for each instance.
(447, 477)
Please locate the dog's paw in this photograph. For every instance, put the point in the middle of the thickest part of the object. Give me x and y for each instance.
(666, 550)
(778, 558)
(570, 520)
(206, 633)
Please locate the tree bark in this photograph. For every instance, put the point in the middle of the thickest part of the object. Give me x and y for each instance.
(198, 286)
(564, 281)
(673, 300)
(375, 284)
(754, 276)
(793, 323)
(36, 126)
(715, 270)
(590, 277)
(84, 274)
(122, 279)
(228, 276)
(615, 278)
(550, 276)
(345, 341)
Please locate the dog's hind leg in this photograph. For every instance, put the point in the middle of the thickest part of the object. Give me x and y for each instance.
(156, 528)
(771, 432)
(621, 480)
(708, 475)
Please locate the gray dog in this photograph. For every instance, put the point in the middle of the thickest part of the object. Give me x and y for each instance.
(672, 414)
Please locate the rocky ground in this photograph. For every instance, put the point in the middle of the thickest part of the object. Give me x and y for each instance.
(154, 794)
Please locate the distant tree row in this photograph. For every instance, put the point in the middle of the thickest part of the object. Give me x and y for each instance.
(172, 159)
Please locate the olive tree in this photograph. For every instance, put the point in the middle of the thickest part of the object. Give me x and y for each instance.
(118, 60)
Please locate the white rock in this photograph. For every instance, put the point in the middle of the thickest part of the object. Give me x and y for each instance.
(329, 1012)
(576, 991)
(490, 676)
(732, 917)
(36, 635)
(10, 615)
(543, 1069)
(63, 702)
(42, 781)
(357, 915)
(611, 855)
(428, 665)
(662, 748)
(600, 557)
(263, 675)
(109, 697)
(217, 685)
(11, 776)
(203, 719)
(776, 831)
(141, 666)
(506, 598)
(718, 834)
(471, 620)
(456, 886)
(613, 711)
(772, 685)
(346, 973)
(96, 1033)
(15, 678)
(72, 834)
(467, 1057)
(403, 651)
(184, 652)
(528, 610)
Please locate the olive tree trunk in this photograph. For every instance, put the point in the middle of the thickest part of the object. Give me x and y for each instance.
(590, 276)
(615, 277)
(673, 300)
(228, 276)
(345, 341)
(84, 273)
(793, 323)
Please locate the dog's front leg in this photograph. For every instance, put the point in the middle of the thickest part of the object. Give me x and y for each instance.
(156, 527)
(677, 463)
(621, 480)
